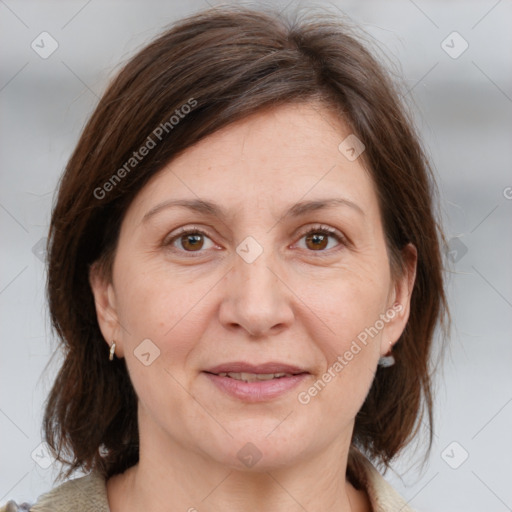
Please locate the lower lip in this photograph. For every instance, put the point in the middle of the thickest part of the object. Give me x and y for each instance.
(259, 391)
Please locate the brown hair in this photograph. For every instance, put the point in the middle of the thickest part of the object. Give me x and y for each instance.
(227, 63)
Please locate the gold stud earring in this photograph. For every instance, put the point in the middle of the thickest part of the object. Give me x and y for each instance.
(112, 351)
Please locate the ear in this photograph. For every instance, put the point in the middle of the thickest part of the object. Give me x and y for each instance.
(106, 311)
(399, 305)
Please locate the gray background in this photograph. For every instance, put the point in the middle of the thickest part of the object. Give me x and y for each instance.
(463, 107)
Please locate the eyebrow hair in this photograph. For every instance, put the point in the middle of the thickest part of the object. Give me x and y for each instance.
(212, 209)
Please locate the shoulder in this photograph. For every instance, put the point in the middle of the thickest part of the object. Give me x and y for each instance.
(84, 494)
(383, 497)
(12, 506)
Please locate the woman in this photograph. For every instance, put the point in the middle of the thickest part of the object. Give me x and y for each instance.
(245, 273)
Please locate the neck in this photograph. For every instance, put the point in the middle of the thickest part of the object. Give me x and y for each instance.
(170, 476)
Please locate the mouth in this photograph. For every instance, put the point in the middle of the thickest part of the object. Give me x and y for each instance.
(254, 377)
(255, 383)
(270, 368)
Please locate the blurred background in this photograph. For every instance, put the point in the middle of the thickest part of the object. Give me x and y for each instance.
(455, 61)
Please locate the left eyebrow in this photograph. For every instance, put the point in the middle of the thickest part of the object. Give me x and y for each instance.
(212, 209)
(304, 207)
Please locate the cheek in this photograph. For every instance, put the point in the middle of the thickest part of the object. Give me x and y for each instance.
(157, 305)
(162, 323)
(348, 330)
(347, 304)
(350, 350)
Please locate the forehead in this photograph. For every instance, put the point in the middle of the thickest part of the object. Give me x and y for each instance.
(275, 157)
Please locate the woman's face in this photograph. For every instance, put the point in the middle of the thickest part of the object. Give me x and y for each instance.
(259, 251)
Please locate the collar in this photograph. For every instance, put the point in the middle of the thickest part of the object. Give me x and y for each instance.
(89, 493)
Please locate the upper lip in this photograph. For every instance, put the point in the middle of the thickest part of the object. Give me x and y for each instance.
(264, 368)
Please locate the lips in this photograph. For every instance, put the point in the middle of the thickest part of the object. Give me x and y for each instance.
(254, 377)
(255, 383)
(262, 369)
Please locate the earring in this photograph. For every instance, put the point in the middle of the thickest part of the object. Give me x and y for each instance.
(112, 351)
(387, 360)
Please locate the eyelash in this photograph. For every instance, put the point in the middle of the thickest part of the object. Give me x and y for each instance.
(320, 229)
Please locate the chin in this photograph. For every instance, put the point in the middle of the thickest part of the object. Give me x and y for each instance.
(262, 449)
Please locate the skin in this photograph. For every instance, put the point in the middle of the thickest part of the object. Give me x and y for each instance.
(295, 303)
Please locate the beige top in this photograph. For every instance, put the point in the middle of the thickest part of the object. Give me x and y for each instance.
(89, 493)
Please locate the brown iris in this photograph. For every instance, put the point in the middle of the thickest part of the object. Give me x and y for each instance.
(318, 240)
(192, 242)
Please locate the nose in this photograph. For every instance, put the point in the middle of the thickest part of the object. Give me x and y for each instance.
(256, 298)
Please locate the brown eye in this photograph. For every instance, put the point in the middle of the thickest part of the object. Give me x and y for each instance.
(192, 242)
(317, 241)
(321, 239)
